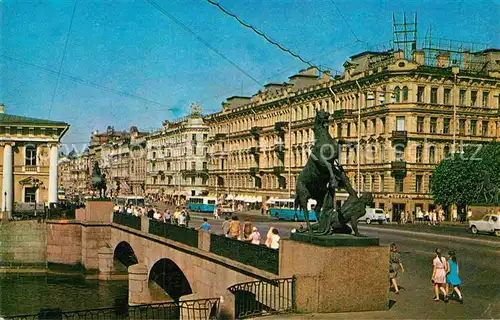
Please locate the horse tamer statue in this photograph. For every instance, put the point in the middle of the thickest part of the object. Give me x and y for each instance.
(320, 178)
(99, 180)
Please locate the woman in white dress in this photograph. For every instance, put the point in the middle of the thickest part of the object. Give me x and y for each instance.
(439, 270)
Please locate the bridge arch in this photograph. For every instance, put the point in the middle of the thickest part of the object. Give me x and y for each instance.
(167, 274)
(124, 256)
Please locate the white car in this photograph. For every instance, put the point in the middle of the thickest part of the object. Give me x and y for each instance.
(489, 223)
(373, 215)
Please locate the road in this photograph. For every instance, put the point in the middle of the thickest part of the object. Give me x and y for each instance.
(478, 258)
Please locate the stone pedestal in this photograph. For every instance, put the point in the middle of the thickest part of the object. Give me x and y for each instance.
(138, 289)
(105, 255)
(96, 211)
(204, 240)
(337, 278)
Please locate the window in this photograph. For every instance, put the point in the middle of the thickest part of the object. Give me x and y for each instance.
(405, 93)
(30, 155)
(397, 94)
(382, 152)
(349, 129)
(473, 127)
(446, 125)
(193, 180)
(473, 98)
(434, 95)
(461, 97)
(446, 97)
(418, 157)
(372, 183)
(486, 96)
(398, 184)
(193, 137)
(400, 153)
(381, 186)
(418, 183)
(382, 125)
(420, 124)
(205, 166)
(30, 195)
(420, 94)
(461, 126)
(373, 155)
(205, 137)
(193, 150)
(372, 126)
(484, 128)
(433, 127)
(193, 165)
(168, 165)
(446, 151)
(432, 154)
(400, 123)
(365, 127)
(154, 154)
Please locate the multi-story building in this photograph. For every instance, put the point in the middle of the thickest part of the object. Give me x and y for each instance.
(29, 153)
(137, 162)
(64, 176)
(177, 158)
(405, 113)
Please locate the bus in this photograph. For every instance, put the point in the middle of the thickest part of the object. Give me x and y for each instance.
(133, 200)
(201, 204)
(283, 209)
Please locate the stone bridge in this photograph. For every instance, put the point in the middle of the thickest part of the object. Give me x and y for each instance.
(165, 262)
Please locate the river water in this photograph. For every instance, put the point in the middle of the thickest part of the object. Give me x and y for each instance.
(27, 294)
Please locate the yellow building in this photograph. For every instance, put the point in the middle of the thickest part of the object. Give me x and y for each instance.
(405, 113)
(29, 153)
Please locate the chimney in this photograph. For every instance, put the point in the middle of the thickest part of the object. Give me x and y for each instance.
(399, 55)
(2, 108)
(418, 57)
(466, 60)
(443, 60)
(312, 71)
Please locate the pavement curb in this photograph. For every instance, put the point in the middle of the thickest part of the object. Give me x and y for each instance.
(434, 235)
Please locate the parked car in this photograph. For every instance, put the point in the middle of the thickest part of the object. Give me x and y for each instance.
(373, 215)
(489, 223)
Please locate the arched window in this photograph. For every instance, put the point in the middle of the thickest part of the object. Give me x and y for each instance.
(397, 93)
(30, 155)
(432, 154)
(418, 157)
(405, 93)
(400, 153)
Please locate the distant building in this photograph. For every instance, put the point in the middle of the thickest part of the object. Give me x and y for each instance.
(177, 158)
(29, 155)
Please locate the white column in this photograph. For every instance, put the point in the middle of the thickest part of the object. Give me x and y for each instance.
(53, 173)
(7, 187)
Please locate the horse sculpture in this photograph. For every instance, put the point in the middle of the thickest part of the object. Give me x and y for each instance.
(98, 180)
(319, 172)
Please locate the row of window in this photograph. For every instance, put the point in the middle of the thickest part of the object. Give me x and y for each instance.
(170, 181)
(462, 97)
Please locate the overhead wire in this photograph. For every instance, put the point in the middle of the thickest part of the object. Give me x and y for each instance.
(62, 58)
(345, 20)
(200, 39)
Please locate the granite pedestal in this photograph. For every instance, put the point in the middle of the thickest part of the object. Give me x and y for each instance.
(337, 273)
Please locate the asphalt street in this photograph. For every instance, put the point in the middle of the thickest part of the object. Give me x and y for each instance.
(478, 258)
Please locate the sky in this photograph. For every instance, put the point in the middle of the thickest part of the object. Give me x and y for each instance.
(126, 63)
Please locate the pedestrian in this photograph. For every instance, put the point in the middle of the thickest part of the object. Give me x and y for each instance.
(438, 279)
(275, 239)
(216, 213)
(188, 216)
(247, 228)
(168, 216)
(262, 210)
(395, 266)
(235, 228)
(177, 214)
(469, 214)
(205, 226)
(452, 278)
(157, 215)
(254, 237)
(268, 237)
(182, 221)
(225, 227)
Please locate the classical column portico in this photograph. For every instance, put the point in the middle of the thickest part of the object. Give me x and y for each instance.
(7, 185)
(53, 173)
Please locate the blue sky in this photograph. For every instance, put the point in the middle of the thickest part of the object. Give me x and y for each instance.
(132, 47)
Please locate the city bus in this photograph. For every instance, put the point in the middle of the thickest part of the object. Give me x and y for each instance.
(283, 209)
(201, 204)
(133, 200)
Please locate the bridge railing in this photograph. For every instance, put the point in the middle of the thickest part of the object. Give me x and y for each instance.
(190, 310)
(259, 298)
(126, 220)
(258, 256)
(176, 233)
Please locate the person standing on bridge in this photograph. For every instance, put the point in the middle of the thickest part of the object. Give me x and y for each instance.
(235, 228)
(226, 227)
(247, 228)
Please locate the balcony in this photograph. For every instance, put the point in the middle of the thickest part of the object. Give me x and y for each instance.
(398, 169)
(338, 114)
(278, 170)
(399, 137)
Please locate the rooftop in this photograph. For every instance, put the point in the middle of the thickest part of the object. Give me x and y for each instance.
(9, 119)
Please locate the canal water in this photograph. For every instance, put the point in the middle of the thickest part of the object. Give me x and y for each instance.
(27, 294)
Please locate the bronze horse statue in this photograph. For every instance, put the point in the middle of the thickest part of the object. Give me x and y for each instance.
(319, 173)
(98, 180)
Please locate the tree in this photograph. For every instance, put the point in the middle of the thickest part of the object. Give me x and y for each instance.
(471, 177)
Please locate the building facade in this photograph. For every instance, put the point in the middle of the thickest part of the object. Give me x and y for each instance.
(177, 159)
(406, 113)
(29, 153)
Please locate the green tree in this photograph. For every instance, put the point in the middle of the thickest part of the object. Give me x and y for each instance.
(469, 177)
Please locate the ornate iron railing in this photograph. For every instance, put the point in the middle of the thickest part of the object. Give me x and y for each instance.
(126, 220)
(264, 297)
(191, 309)
(258, 256)
(180, 234)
